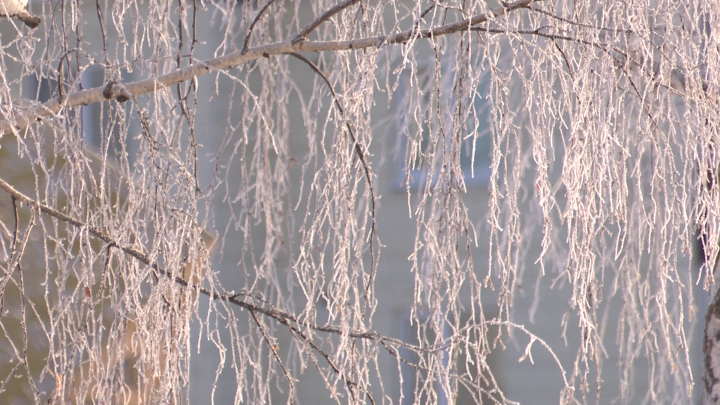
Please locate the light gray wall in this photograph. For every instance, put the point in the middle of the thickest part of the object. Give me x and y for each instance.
(539, 383)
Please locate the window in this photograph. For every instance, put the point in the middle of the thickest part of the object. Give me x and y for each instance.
(423, 118)
(43, 85)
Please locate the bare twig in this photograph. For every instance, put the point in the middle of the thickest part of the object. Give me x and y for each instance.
(18, 253)
(576, 24)
(348, 382)
(427, 10)
(274, 349)
(462, 379)
(302, 35)
(252, 26)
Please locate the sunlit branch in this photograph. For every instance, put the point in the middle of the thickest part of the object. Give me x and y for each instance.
(18, 250)
(274, 349)
(284, 318)
(620, 57)
(576, 24)
(231, 298)
(350, 383)
(52, 107)
(302, 35)
(252, 25)
(361, 156)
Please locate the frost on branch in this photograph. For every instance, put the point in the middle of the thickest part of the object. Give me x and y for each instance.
(213, 174)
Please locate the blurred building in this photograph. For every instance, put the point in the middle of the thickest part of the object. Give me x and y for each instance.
(537, 383)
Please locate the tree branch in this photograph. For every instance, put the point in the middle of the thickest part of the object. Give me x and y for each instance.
(252, 25)
(290, 321)
(348, 382)
(274, 349)
(361, 155)
(302, 35)
(267, 310)
(50, 108)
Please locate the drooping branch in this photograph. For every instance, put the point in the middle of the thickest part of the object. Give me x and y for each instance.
(361, 155)
(274, 349)
(252, 25)
(302, 35)
(289, 320)
(18, 250)
(52, 107)
(265, 309)
(621, 58)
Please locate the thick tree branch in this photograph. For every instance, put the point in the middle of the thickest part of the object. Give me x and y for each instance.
(50, 108)
(265, 309)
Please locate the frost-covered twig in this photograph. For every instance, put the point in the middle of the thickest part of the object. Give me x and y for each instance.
(302, 35)
(252, 25)
(231, 298)
(95, 95)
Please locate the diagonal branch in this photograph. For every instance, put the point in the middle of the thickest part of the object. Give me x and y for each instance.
(252, 25)
(265, 309)
(302, 35)
(19, 252)
(348, 382)
(363, 160)
(358, 147)
(289, 320)
(620, 57)
(20, 121)
(274, 349)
